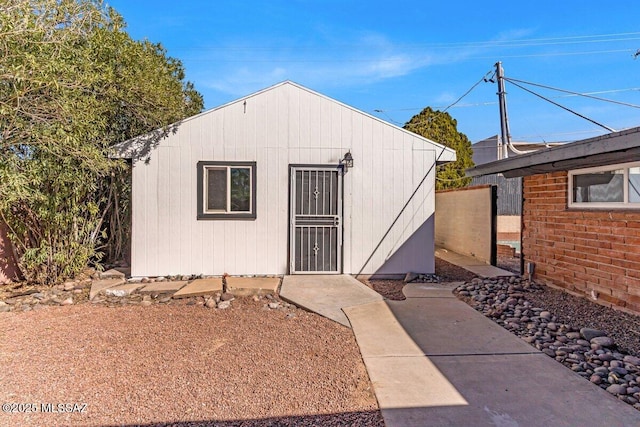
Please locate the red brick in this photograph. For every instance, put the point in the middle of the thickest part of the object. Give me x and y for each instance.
(628, 264)
(635, 308)
(611, 253)
(633, 290)
(630, 249)
(614, 270)
(612, 300)
(629, 281)
(633, 273)
(632, 240)
(634, 299)
(594, 272)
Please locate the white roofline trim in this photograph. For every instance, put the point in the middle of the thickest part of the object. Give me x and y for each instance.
(122, 149)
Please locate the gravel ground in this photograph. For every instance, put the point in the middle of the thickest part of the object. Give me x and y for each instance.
(571, 330)
(183, 365)
(508, 263)
(624, 328)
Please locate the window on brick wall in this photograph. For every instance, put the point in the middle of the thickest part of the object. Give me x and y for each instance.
(614, 186)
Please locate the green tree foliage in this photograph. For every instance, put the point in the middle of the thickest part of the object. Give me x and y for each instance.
(442, 128)
(73, 84)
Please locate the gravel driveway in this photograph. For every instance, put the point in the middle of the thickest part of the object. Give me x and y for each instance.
(182, 365)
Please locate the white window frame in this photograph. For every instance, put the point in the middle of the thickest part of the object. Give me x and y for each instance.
(625, 204)
(203, 190)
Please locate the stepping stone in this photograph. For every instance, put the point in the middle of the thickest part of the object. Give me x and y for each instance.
(245, 286)
(98, 286)
(430, 290)
(200, 287)
(163, 287)
(123, 290)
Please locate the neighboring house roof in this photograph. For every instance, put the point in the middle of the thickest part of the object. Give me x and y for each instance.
(611, 148)
(138, 146)
(486, 151)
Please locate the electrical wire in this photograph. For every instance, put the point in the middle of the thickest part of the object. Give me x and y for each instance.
(511, 80)
(489, 103)
(594, 38)
(561, 106)
(483, 79)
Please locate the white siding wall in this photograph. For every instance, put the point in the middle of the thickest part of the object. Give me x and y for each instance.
(284, 125)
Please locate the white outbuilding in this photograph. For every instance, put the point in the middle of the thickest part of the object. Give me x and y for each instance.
(283, 181)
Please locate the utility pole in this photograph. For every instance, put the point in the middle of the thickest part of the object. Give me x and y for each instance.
(505, 136)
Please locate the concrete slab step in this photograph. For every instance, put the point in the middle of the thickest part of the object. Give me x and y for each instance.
(430, 290)
(200, 287)
(98, 286)
(246, 286)
(123, 290)
(163, 287)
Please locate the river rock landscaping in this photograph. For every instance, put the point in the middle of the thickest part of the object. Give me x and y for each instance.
(598, 343)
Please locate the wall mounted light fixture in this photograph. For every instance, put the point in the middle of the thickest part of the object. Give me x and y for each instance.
(347, 160)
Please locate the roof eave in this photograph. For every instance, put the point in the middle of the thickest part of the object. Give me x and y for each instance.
(616, 147)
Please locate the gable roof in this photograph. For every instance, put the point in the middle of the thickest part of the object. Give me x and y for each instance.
(611, 148)
(127, 149)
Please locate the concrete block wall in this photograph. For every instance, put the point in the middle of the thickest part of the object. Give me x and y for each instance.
(465, 221)
(508, 227)
(594, 253)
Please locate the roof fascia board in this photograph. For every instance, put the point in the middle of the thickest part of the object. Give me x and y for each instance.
(556, 157)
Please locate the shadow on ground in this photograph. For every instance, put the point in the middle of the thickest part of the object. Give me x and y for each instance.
(364, 418)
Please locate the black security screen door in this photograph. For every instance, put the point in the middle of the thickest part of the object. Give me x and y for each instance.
(316, 220)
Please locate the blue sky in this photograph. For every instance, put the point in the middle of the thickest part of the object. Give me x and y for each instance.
(393, 58)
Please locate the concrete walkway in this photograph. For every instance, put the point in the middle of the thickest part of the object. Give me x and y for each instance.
(471, 264)
(327, 295)
(434, 361)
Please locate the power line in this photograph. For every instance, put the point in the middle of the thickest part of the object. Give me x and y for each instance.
(561, 106)
(534, 55)
(584, 39)
(572, 93)
(390, 60)
(488, 103)
(468, 92)
(447, 107)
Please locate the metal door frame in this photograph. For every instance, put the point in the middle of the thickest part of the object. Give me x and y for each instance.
(292, 216)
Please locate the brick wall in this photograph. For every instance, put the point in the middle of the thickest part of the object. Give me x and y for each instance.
(588, 252)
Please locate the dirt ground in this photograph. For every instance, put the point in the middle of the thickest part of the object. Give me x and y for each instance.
(181, 365)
